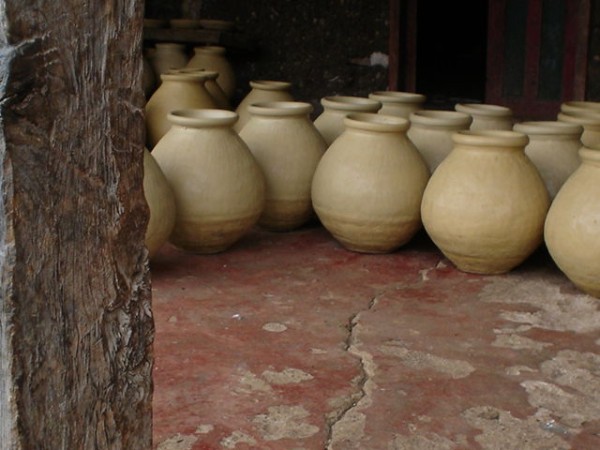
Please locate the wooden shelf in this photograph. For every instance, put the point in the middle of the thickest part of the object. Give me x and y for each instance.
(230, 39)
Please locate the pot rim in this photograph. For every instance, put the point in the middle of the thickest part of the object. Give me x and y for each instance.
(212, 49)
(174, 75)
(586, 120)
(483, 109)
(441, 118)
(280, 109)
(376, 122)
(350, 103)
(168, 45)
(400, 97)
(545, 127)
(270, 85)
(198, 73)
(580, 106)
(490, 138)
(202, 118)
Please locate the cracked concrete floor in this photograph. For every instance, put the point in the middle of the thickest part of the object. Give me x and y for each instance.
(288, 341)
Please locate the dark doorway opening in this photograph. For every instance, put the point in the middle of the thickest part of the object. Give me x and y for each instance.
(451, 51)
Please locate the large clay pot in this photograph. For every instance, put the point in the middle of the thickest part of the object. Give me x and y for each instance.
(211, 85)
(168, 56)
(572, 230)
(431, 131)
(288, 148)
(262, 91)
(590, 121)
(367, 189)
(177, 91)
(161, 203)
(553, 148)
(218, 186)
(400, 104)
(578, 107)
(485, 205)
(213, 58)
(487, 117)
(330, 122)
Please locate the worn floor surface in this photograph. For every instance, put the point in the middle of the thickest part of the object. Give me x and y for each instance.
(288, 341)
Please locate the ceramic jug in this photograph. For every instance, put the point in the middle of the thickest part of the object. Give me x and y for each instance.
(262, 91)
(213, 58)
(400, 104)
(487, 117)
(168, 56)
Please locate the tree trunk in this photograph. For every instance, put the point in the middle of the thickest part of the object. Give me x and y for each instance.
(76, 327)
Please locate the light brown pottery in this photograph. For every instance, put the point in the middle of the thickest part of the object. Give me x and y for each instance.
(431, 131)
(288, 148)
(213, 58)
(487, 117)
(554, 149)
(330, 122)
(262, 91)
(168, 56)
(578, 107)
(218, 186)
(161, 203)
(368, 186)
(155, 23)
(177, 91)
(572, 230)
(211, 85)
(485, 205)
(590, 121)
(400, 104)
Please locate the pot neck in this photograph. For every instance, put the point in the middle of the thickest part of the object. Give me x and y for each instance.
(346, 104)
(375, 123)
(444, 120)
(280, 109)
(268, 85)
(487, 140)
(202, 118)
(590, 155)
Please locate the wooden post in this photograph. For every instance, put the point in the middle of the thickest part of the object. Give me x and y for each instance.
(75, 315)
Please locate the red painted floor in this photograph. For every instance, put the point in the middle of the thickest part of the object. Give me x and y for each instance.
(288, 341)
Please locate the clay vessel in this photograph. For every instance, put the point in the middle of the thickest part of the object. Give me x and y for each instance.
(161, 203)
(579, 107)
(213, 58)
(367, 189)
(572, 232)
(330, 122)
(219, 188)
(431, 131)
(487, 117)
(485, 205)
(288, 148)
(262, 91)
(168, 56)
(553, 148)
(400, 104)
(590, 121)
(211, 85)
(177, 91)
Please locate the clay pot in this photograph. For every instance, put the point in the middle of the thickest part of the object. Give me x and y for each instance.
(211, 85)
(219, 188)
(213, 58)
(485, 205)
(431, 132)
(572, 233)
(487, 117)
(177, 91)
(553, 148)
(399, 104)
(168, 56)
(590, 121)
(161, 203)
(262, 91)
(335, 108)
(288, 148)
(367, 189)
(579, 107)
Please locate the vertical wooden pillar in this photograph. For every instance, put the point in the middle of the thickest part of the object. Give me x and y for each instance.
(75, 316)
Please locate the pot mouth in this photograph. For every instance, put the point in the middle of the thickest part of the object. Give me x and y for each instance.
(210, 49)
(350, 103)
(280, 109)
(549, 127)
(490, 138)
(481, 109)
(397, 97)
(270, 85)
(586, 120)
(376, 122)
(181, 75)
(166, 45)
(575, 107)
(202, 118)
(205, 73)
(441, 119)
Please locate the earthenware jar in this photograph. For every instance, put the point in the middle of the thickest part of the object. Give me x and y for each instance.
(487, 117)
(485, 205)
(367, 189)
(213, 58)
(578, 107)
(168, 56)
(218, 186)
(161, 203)
(431, 131)
(211, 85)
(330, 122)
(553, 148)
(572, 233)
(590, 121)
(399, 104)
(262, 91)
(288, 148)
(177, 91)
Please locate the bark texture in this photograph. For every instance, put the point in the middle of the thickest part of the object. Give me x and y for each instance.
(75, 316)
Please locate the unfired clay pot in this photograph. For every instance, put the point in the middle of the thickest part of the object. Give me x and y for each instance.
(431, 132)
(211, 85)
(262, 91)
(213, 58)
(218, 186)
(177, 91)
(487, 117)
(168, 56)
(161, 203)
(485, 205)
(288, 148)
(330, 122)
(367, 189)
(590, 121)
(572, 230)
(553, 148)
(578, 107)
(400, 104)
